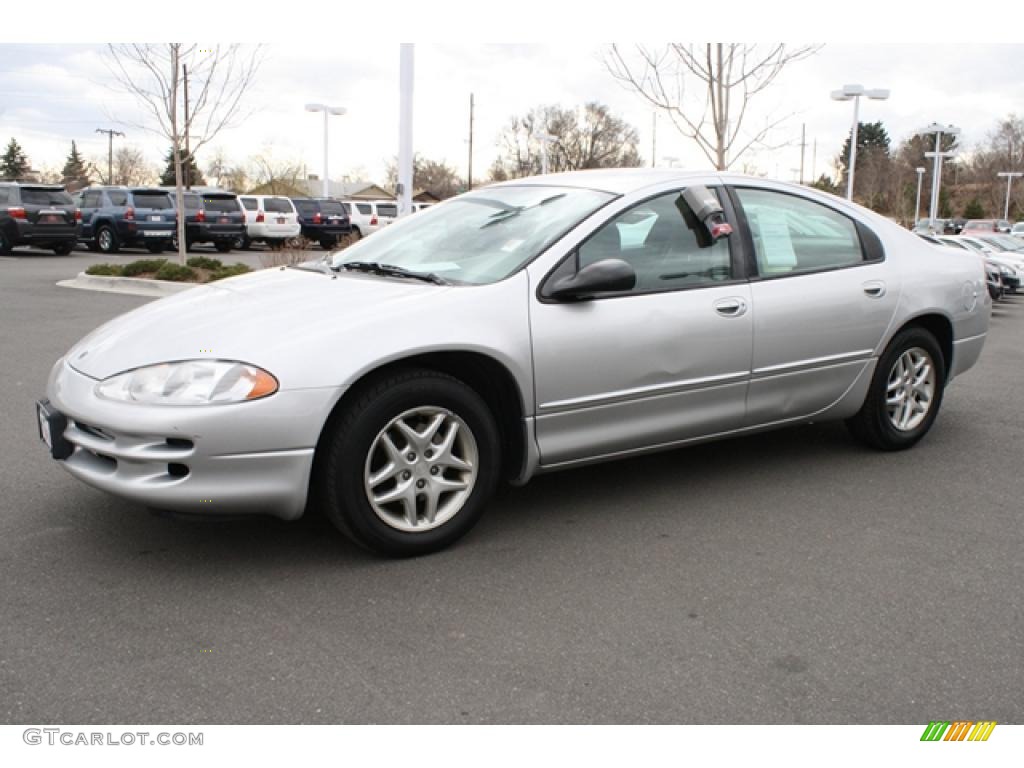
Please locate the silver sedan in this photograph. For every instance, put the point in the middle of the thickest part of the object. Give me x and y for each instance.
(525, 327)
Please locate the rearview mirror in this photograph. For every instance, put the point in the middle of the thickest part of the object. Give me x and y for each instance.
(602, 276)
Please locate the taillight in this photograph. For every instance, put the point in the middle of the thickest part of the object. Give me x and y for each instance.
(78, 214)
(317, 219)
(373, 221)
(129, 214)
(17, 212)
(200, 215)
(259, 217)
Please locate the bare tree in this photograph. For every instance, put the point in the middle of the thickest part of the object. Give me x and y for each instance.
(728, 77)
(218, 78)
(129, 167)
(275, 176)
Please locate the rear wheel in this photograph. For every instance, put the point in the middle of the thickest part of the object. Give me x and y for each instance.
(905, 394)
(63, 249)
(327, 243)
(223, 246)
(243, 243)
(106, 240)
(408, 466)
(5, 244)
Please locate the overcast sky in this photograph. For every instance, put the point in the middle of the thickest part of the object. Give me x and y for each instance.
(51, 94)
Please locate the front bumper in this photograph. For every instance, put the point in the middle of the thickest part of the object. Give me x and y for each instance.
(243, 458)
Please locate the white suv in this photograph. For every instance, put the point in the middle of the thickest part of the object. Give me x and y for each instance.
(367, 216)
(269, 218)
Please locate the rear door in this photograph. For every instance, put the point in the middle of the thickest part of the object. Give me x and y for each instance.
(823, 296)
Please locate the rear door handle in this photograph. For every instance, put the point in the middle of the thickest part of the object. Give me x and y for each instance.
(730, 307)
(874, 288)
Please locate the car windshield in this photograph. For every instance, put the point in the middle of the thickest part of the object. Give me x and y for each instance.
(479, 237)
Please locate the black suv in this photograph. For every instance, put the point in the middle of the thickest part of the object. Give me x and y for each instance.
(215, 217)
(323, 219)
(116, 217)
(43, 215)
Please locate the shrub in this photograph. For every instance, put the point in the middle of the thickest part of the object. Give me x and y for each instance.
(175, 272)
(142, 266)
(203, 262)
(113, 270)
(235, 269)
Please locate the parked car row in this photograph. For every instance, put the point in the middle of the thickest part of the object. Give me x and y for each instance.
(1003, 256)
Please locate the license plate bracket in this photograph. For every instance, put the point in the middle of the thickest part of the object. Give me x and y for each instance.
(51, 424)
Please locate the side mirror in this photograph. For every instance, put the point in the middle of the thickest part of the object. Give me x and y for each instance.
(600, 277)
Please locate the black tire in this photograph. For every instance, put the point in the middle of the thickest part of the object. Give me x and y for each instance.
(63, 249)
(327, 243)
(243, 243)
(356, 234)
(5, 244)
(156, 247)
(223, 246)
(872, 424)
(275, 244)
(349, 438)
(106, 240)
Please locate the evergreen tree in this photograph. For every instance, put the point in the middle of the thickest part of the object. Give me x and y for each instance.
(13, 163)
(974, 210)
(75, 173)
(196, 178)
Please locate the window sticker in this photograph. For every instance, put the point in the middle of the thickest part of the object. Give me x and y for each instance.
(776, 247)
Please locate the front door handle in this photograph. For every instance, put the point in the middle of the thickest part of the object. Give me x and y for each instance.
(731, 307)
(874, 288)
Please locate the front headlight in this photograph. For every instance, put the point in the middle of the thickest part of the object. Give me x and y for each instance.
(189, 382)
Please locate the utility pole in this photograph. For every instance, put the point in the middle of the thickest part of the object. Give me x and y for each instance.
(803, 147)
(110, 151)
(814, 162)
(654, 139)
(188, 154)
(469, 174)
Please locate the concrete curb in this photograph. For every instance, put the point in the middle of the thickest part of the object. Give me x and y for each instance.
(135, 286)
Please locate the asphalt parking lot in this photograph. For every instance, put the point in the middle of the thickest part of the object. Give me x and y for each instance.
(791, 577)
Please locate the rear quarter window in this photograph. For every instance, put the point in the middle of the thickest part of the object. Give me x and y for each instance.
(117, 198)
(250, 203)
(387, 209)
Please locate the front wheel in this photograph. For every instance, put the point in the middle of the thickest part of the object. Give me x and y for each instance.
(409, 464)
(106, 240)
(905, 394)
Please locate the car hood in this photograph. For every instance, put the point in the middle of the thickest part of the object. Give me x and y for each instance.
(268, 319)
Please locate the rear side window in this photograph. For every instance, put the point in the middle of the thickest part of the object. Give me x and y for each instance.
(332, 207)
(221, 204)
(387, 209)
(793, 235)
(37, 196)
(157, 200)
(277, 205)
(92, 200)
(117, 198)
(364, 208)
(4, 196)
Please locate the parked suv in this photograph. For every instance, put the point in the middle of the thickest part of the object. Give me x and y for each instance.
(370, 215)
(213, 217)
(126, 217)
(269, 219)
(323, 219)
(986, 226)
(42, 215)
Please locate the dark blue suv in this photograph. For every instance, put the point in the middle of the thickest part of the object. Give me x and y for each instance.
(117, 217)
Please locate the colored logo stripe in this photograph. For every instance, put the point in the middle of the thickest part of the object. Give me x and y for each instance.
(958, 730)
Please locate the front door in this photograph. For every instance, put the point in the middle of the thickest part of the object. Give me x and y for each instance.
(666, 361)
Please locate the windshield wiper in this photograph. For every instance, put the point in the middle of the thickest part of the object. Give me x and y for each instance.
(391, 270)
(510, 213)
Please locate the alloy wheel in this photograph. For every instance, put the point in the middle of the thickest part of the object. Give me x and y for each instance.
(910, 389)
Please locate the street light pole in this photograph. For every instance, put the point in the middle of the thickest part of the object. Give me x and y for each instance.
(544, 139)
(405, 154)
(917, 204)
(327, 111)
(1010, 175)
(939, 155)
(854, 92)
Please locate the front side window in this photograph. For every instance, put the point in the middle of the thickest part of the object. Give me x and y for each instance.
(793, 235)
(659, 239)
(91, 200)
